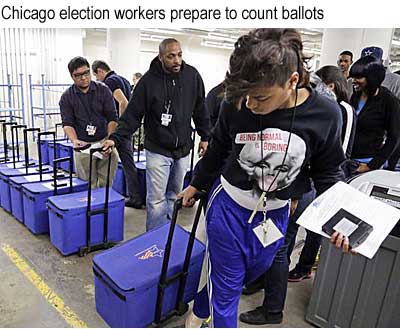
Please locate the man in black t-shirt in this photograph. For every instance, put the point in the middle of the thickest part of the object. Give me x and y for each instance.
(121, 90)
(88, 116)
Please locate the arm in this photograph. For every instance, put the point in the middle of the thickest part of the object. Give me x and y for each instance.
(130, 120)
(111, 127)
(121, 99)
(209, 167)
(201, 118)
(68, 121)
(328, 157)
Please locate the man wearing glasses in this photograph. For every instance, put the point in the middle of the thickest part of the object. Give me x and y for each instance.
(88, 116)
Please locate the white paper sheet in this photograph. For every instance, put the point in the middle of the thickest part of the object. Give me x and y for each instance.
(342, 196)
(94, 146)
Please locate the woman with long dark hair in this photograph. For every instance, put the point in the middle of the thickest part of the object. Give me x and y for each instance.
(378, 116)
(269, 109)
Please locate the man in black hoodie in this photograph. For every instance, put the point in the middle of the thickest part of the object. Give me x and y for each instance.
(169, 95)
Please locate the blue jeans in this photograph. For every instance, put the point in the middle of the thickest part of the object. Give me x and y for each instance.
(164, 180)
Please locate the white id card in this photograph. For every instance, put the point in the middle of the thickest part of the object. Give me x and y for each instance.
(166, 118)
(267, 232)
(91, 130)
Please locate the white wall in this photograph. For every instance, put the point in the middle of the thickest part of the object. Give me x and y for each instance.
(212, 63)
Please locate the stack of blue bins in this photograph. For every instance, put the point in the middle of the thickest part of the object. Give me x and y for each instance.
(16, 183)
(29, 168)
(127, 277)
(86, 220)
(35, 195)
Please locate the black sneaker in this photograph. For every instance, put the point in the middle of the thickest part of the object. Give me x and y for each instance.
(297, 276)
(259, 317)
(134, 203)
(252, 288)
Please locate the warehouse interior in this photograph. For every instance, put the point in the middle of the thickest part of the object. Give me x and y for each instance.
(40, 287)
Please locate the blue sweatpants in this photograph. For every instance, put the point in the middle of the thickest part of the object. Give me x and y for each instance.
(235, 255)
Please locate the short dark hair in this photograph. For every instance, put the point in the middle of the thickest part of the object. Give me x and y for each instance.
(348, 53)
(163, 44)
(332, 74)
(138, 75)
(100, 65)
(265, 57)
(368, 67)
(76, 63)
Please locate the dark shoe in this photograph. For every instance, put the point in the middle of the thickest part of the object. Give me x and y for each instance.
(297, 276)
(134, 203)
(258, 317)
(253, 287)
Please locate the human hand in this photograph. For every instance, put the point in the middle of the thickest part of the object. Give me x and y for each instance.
(363, 167)
(107, 146)
(342, 242)
(293, 206)
(78, 144)
(202, 148)
(187, 196)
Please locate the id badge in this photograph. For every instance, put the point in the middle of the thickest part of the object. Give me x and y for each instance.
(91, 130)
(166, 118)
(267, 232)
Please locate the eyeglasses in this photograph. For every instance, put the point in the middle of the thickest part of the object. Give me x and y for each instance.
(81, 75)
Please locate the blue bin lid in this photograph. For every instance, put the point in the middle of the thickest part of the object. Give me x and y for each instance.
(40, 187)
(78, 200)
(33, 178)
(22, 171)
(18, 164)
(136, 264)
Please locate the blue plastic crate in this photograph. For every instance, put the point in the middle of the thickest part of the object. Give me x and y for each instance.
(119, 183)
(66, 150)
(6, 174)
(127, 276)
(17, 208)
(51, 153)
(35, 195)
(67, 219)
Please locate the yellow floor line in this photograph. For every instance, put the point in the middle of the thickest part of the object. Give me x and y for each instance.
(52, 298)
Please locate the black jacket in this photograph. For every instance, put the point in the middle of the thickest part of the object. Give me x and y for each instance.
(379, 119)
(315, 148)
(155, 90)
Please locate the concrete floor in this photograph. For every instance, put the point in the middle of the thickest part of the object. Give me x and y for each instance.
(71, 278)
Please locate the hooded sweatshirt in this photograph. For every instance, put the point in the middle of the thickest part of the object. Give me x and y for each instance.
(278, 144)
(157, 94)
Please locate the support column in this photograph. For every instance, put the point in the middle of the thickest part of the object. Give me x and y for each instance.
(123, 48)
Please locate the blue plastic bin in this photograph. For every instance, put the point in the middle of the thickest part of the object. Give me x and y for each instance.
(6, 174)
(127, 276)
(119, 183)
(66, 150)
(35, 195)
(67, 219)
(17, 208)
(51, 153)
